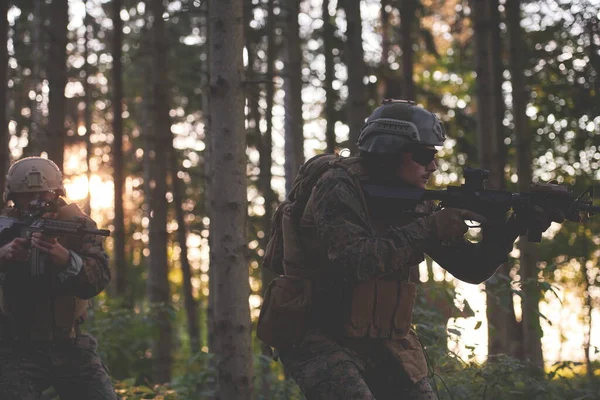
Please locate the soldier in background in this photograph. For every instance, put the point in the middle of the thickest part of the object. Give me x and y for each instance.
(41, 344)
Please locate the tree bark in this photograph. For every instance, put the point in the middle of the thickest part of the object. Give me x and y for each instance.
(117, 150)
(328, 43)
(407, 22)
(4, 150)
(382, 79)
(354, 58)
(208, 176)
(294, 124)
(497, 108)
(502, 322)
(88, 112)
(191, 310)
(37, 138)
(158, 280)
(57, 79)
(229, 203)
(532, 346)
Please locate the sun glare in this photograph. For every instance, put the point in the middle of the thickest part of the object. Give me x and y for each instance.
(102, 191)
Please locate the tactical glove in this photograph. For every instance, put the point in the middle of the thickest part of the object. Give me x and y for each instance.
(449, 224)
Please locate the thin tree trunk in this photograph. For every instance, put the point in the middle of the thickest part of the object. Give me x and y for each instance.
(496, 70)
(253, 90)
(264, 180)
(158, 280)
(532, 346)
(407, 21)
(191, 310)
(328, 40)
(382, 81)
(57, 79)
(36, 136)
(357, 101)
(87, 116)
(229, 203)
(208, 172)
(589, 306)
(294, 124)
(117, 150)
(4, 150)
(500, 308)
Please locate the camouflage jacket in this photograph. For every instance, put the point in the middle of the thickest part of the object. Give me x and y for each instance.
(33, 302)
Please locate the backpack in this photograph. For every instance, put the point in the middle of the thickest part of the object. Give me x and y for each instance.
(287, 305)
(308, 175)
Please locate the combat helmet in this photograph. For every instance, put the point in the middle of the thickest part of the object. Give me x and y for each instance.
(398, 124)
(33, 174)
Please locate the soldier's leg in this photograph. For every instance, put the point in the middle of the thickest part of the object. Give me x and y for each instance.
(22, 373)
(79, 372)
(326, 371)
(388, 382)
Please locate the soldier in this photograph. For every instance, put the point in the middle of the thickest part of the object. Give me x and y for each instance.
(40, 339)
(353, 263)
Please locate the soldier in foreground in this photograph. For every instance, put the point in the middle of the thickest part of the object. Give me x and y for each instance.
(40, 313)
(340, 316)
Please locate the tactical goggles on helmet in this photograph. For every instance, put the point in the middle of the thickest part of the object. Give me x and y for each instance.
(422, 155)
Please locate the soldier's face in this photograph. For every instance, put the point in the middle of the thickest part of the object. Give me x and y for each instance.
(417, 166)
(22, 200)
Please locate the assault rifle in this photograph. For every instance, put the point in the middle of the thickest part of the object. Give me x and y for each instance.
(493, 204)
(11, 228)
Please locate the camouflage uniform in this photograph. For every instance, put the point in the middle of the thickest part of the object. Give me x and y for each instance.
(356, 244)
(33, 357)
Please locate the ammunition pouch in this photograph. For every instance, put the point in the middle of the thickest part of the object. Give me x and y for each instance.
(284, 316)
(380, 309)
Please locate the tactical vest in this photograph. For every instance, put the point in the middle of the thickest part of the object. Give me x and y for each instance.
(30, 307)
(380, 308)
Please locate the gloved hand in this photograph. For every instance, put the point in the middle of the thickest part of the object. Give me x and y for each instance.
(542, 218)
(538, 219)
(449, 224)
(16, 250)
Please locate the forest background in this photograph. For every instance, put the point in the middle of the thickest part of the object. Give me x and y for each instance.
(180, 125)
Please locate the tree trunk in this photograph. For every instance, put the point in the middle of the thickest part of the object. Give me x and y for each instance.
(497, 108)
(57, 79)
(191, 310)
(37, 138)
(208, 177)
(294, 124)
(382, 79)
(328, 43)
(88, 111)
(500, 308)
(407, 22)
(117, 150)
(253, 89)
(229, 203)
(532, 346)
(354, 59)
(4, 150)
(158, 280)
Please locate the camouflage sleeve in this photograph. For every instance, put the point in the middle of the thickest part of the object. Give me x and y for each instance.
(476, 262)
(94, 275)
(352, 246)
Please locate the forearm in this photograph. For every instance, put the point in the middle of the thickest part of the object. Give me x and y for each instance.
(86, 277)
(475, 262)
